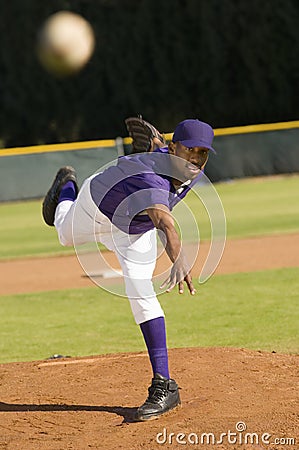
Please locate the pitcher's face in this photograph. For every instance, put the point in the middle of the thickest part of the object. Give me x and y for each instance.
(190, 161)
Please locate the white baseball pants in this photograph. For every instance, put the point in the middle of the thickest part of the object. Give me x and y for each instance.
(79, 222)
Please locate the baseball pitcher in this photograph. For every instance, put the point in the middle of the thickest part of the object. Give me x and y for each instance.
(122, 208)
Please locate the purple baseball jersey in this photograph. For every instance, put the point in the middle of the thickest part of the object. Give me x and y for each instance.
(123, 192)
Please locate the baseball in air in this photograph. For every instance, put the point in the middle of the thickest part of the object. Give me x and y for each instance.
(65, 44)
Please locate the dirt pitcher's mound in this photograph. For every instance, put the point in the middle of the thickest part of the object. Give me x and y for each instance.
(231, 399)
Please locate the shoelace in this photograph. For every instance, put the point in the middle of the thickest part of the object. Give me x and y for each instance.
(156, 394)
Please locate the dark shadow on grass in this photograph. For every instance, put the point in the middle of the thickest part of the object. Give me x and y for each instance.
(128, 414)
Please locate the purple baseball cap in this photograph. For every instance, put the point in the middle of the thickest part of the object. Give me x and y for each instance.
(194, 133)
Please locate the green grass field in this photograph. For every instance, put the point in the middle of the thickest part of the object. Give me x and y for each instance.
(252, 208)
(253, 310)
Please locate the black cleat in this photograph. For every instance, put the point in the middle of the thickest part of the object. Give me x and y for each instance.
(50, 202)
(163, 396)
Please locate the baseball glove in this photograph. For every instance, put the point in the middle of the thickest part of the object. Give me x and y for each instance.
(142, 134)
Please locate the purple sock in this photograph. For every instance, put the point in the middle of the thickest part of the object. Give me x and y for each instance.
(68, 192)
(154, 334)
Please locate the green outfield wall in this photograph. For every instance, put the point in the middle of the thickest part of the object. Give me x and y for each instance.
(27, 173)
(254, 154)
(249, 151)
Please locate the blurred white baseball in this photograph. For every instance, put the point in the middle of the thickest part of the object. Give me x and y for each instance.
(65, 43)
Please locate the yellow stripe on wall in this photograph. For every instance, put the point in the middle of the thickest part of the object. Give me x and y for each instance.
(111, 142)
(57, 147)
(257, 128)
